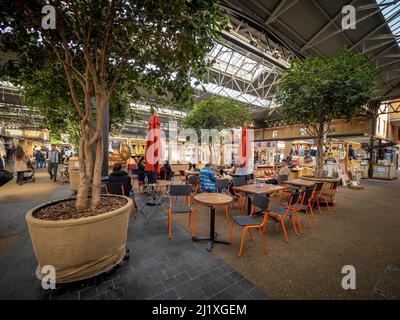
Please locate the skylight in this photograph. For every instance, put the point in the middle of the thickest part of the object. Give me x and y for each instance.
(235, 64)
(233, 94)
(391, 10)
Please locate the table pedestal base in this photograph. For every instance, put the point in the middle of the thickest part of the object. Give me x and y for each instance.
(213, 236)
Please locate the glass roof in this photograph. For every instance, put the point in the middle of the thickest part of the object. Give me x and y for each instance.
(230, 93)
(233, 63)
(391, 10)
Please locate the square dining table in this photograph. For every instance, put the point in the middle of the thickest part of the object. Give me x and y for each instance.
(259, 188)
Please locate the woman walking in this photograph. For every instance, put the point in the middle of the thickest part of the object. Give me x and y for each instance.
(20, 164)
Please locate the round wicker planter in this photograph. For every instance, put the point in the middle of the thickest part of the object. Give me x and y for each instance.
(79, 248)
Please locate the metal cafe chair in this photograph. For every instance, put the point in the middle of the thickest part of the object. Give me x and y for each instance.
(306, 204)
(317, 193)
(185, 207)
(329, 196)
(238, 181)
(193, 182)
(283, 210)
(247, 223)
(222, 186)
(118, 188)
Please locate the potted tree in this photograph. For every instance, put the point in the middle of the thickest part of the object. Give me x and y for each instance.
(139, 47)
(316, 91)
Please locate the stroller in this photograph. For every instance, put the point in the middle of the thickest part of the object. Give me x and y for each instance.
(29, 176)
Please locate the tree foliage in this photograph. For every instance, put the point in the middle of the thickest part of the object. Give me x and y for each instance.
(318, 90)
(217, 113)
(138, 47)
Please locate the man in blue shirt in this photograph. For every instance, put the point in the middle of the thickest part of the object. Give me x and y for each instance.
(207, 179)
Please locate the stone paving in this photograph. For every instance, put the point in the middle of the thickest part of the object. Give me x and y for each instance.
(157, 269)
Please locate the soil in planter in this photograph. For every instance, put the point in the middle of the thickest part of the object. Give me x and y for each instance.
(66, 210)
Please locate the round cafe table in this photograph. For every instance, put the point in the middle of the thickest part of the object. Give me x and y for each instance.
(212, 200)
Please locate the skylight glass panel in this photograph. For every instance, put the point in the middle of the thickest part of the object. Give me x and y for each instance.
(233, 94)
(235, 64)
(391, 14)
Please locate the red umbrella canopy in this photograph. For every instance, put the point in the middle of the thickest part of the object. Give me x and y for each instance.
(244, 147)
(153, 145)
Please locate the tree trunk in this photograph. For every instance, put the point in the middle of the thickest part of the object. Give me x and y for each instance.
(96, 192)
(210, 148)
(319, 141)
(85, 160)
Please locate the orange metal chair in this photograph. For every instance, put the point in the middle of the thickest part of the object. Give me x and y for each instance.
(180, 191)
(250, 222)
(118, 188)
(283, 210)
(329, 196)
(222, 186)
(238, 181)
(317, 194)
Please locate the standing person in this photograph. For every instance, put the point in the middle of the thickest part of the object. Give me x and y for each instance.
(9, 155)
(54, 160)
(62, 153)
(20, 160)
(352, 153)
(141, 171)
(69, 153)
(207, 179)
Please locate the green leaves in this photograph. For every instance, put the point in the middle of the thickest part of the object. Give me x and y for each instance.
(217, 113)
(319, 90)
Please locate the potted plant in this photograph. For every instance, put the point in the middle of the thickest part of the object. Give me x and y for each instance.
(136, 47)
(316, 91)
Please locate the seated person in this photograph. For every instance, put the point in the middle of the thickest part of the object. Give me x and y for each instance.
(166, 171)
(283, 172)
(120, 176)
(207, 179)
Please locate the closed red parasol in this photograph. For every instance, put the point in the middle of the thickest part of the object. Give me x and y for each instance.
(244, 148)
(153, 145)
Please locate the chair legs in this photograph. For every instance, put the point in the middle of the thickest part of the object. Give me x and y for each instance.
(242, 242)
(333, 204)
(169, 225)
(284, 229)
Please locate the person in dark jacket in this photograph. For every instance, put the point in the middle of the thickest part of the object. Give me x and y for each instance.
(120, 176)
(166, 171)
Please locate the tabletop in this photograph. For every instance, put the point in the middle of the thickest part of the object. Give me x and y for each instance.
(192, 173)
(302, 182)
(330, 180)
(259, 188)
(213, 199)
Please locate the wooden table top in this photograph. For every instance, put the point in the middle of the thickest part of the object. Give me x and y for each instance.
(259, 188)
(302, 183)
(213, 199)
(331, 180)
(192, 173)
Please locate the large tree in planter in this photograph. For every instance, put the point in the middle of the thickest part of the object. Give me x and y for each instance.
(216, 113)
(318, 90)
(155, 46)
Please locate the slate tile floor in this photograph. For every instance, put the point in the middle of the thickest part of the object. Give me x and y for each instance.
(157, 268)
